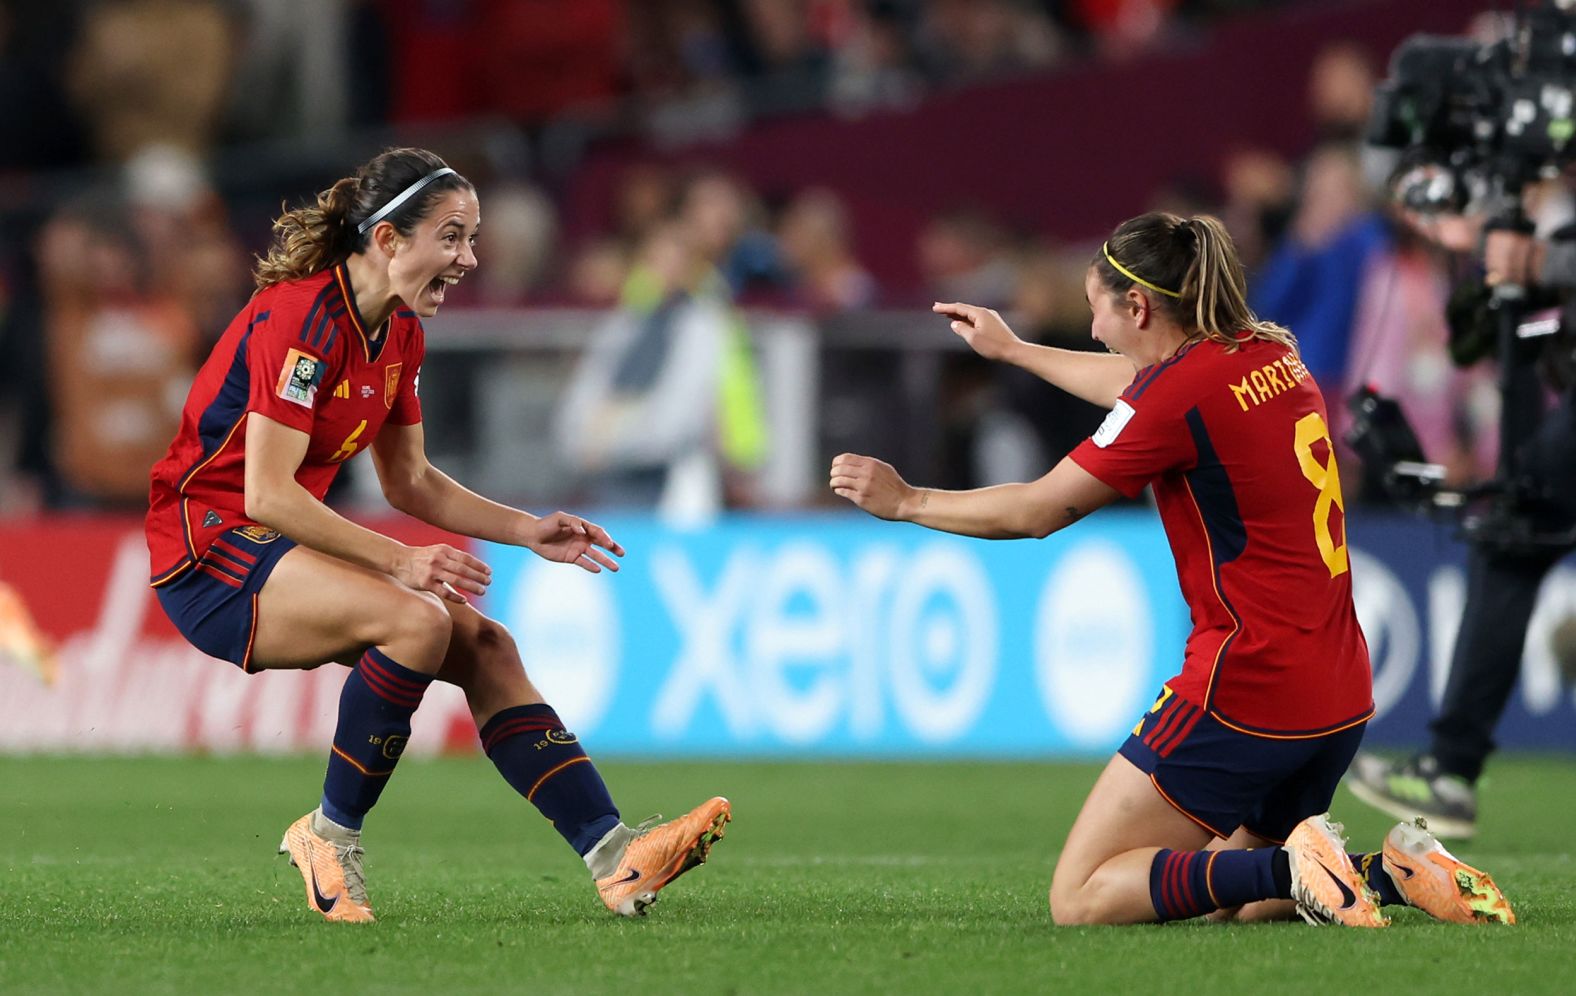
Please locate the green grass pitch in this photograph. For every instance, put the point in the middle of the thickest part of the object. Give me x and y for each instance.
(159, 875)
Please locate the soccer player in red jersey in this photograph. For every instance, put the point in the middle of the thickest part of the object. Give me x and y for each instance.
(253, 567)
(1217, 802)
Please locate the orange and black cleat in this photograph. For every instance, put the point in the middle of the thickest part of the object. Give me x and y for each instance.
(329, 859)
(1437, 882)
(656, 856)
(1327, 887)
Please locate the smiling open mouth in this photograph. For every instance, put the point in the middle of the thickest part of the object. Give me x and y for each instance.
(440, 285)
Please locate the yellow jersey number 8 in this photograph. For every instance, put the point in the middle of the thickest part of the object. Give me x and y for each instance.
(1327, 478)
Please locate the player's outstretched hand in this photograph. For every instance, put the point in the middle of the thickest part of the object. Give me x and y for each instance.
(569, 539)
(982, 328)
(871, 484)
(444, 571)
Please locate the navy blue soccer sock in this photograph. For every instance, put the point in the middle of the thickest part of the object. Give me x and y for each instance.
(1370, 866)
(546, 764)
(375, 707)
(1184, 884)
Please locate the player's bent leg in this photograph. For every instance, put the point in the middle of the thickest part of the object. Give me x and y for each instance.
(1103, 873)
(1265, 910)
(315, 608)
(545, 763)
(483, 661)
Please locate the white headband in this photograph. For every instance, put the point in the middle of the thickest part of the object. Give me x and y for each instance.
(404, 196)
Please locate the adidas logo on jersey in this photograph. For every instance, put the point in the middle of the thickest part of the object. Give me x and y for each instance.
(343, 390)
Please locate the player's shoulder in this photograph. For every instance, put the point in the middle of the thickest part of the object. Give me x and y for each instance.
(293, 296)
(304, 313)
(1172, 379)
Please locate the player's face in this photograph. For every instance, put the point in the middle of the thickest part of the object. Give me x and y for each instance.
(1114, 324)
(438, 253)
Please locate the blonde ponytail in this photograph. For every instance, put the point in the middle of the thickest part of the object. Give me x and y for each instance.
(1218, 289)
(1193, 264)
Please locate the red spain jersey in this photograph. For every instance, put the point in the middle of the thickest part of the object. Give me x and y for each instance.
(298, 354)
(1237, 446)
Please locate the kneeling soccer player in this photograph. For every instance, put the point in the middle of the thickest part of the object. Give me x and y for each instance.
(1243, 749)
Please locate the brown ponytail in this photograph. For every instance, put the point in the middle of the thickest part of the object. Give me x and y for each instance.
(1195, 263)
(312, 238)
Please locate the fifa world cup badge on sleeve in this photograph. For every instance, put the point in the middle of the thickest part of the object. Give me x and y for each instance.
(299, 377)
(1113, 425)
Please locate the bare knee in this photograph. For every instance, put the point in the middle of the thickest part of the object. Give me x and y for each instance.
(417, 631)
(1066, 909)
(495, 646)
(1093, 902)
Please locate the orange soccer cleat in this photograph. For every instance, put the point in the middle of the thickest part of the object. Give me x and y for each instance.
(654, 857)
(1437, 882)
(1327, 888)
(329, 858)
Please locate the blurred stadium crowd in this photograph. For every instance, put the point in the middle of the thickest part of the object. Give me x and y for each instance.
(146, 143)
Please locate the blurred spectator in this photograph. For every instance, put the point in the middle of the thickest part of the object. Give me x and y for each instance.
(294, 71)
(659, 413)
(120, 357)
(968, 40)
(788, 62)
(152, 72)
(814, 237)
(963, 257)
(597, 273)
(1310, 282)
(183, 232)
(1399, 347)
(1261, 194)
(720, 218)
(1340, 98)
(873, 66)
(517, 242)
(1030, 425)
(645, 196)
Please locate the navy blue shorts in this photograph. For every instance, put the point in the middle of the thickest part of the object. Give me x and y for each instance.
(214, 604)
(1222, 778)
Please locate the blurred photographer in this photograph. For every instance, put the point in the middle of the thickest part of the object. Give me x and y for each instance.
(1485, 123)
(1503, 575)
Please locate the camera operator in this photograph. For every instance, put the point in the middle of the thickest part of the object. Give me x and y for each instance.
(1503, 577)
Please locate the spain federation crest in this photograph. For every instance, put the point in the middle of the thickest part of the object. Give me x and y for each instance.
(391, 384)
